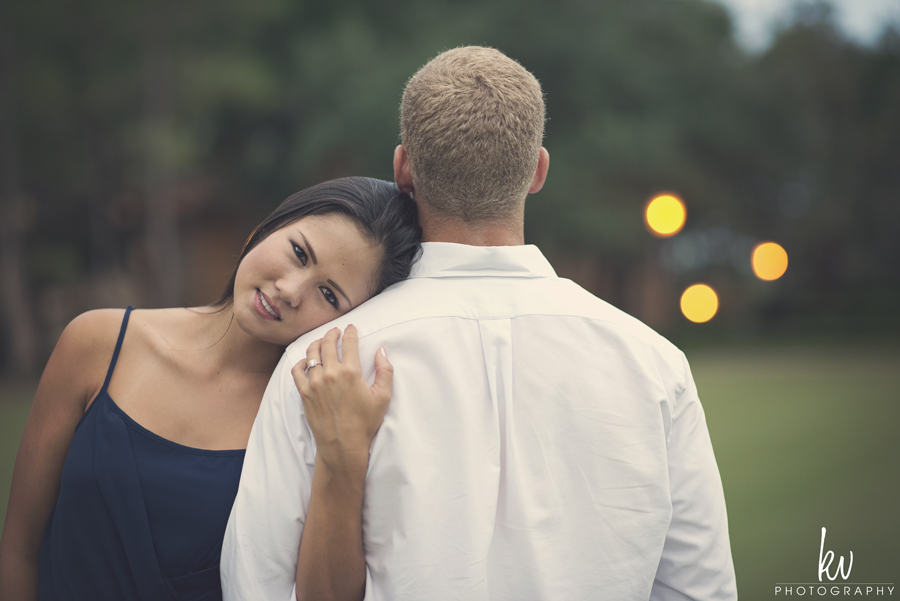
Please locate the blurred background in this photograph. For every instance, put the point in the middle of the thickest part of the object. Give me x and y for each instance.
(140, 143)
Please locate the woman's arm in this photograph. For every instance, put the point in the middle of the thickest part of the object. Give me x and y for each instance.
(73, 375)
(344, 413)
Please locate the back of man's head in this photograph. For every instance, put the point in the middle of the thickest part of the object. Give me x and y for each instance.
(472, 121)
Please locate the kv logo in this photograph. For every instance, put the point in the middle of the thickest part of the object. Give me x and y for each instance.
(826, 559)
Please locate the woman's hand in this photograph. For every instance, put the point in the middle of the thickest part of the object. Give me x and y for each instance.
(344, 413)
(342, 410)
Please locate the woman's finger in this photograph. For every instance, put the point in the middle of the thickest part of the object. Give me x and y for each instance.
(384, 376)
(314, 353)
(329, 348)
(300, 378)
(314, 350)
(350, 348)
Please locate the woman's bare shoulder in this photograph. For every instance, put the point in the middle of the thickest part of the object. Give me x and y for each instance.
(86, 346)
(81, 356)
(91, 333)
(91, 337)
(155, 329)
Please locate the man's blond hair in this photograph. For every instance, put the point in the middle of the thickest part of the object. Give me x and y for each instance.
(472, 121)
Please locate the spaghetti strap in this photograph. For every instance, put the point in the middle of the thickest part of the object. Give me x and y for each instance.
(115, 357)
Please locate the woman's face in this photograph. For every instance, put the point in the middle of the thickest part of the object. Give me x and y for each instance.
(302, 276)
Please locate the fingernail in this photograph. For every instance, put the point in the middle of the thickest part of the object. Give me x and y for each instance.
(382, 352)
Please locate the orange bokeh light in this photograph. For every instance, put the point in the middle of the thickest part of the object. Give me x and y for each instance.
(699, 303)
(665, 215)
(769, 261)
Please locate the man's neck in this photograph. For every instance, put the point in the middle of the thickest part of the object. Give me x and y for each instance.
(490, 237)
(493, 233)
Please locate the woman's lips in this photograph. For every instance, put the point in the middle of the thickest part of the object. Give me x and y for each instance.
(263, 306)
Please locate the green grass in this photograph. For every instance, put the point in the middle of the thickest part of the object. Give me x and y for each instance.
(804, 437)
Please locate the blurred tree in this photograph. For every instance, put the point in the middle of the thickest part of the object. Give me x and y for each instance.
(830, 191)
(137, 125)
(163, 238)
(16, 299)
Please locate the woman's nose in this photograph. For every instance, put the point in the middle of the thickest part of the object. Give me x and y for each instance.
(290, 290)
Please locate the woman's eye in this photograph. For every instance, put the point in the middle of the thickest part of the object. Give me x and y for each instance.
(330, 296)
(301, 254)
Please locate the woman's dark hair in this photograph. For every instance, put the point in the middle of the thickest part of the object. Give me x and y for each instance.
(385, 216)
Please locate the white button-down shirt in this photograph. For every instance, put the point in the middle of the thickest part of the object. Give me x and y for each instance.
(540, 444)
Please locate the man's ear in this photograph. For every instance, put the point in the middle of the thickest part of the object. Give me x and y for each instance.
(540, 174)
(402, 172)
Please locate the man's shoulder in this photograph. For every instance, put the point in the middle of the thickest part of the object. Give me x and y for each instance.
(566, 298)
(485, 298)
(394, 305)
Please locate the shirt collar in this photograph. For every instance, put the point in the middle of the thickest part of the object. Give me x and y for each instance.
(445, 259)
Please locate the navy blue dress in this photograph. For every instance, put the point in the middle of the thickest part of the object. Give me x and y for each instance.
(138, 516)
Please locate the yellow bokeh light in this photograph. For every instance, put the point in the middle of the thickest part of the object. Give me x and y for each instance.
(699, 303)
(769, 261)
(665, 215)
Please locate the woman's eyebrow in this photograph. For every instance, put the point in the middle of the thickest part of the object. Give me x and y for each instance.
(339, 290)
(312, 254)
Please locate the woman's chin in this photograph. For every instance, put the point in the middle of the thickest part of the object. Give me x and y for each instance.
(263, 330)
